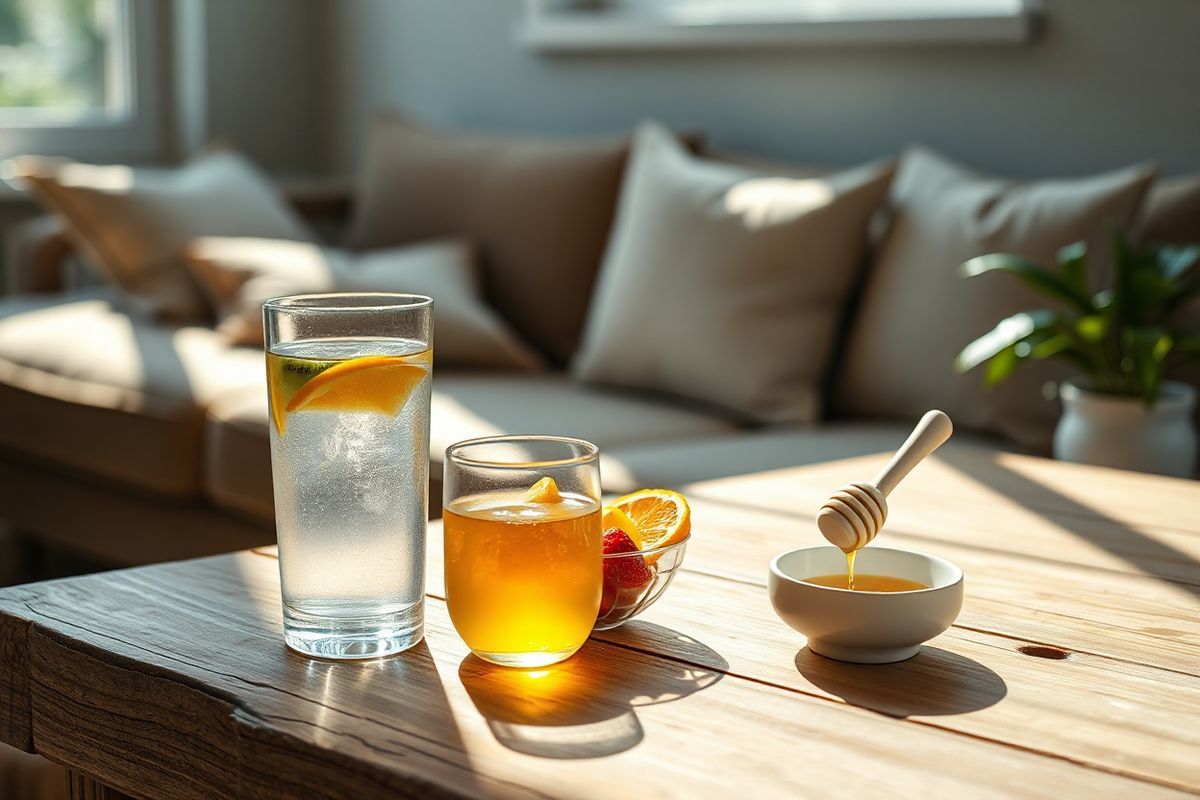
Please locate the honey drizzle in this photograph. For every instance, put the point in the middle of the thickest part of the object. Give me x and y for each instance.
(850, 569)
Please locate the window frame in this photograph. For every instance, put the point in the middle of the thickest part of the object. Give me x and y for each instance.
(136, 130)
(576, 26)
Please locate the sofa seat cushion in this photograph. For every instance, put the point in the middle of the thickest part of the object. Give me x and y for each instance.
(706, 458)
(464, 405)
(89, 386)
(237, 454)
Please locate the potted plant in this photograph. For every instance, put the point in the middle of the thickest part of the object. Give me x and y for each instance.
(1119, 411)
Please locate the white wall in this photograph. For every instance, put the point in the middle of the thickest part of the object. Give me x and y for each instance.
(1108, 82)
(264, 80)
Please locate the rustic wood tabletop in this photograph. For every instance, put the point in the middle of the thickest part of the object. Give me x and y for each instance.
(1074, 669)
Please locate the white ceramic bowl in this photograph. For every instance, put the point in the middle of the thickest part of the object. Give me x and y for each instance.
(865, 627)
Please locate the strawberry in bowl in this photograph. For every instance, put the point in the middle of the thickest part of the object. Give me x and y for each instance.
(645, 537)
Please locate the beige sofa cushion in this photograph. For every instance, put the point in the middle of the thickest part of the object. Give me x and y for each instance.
(917, 313)
(237, 454)
(84, 385)
(464, 405)
(240, 273)
(1171, 213)
(467, 405)
(725, 285)
(132, 224)
(540, 209)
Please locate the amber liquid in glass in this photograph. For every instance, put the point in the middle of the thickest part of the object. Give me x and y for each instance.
(523, 579)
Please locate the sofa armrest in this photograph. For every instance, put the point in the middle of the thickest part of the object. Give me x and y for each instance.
(35, 256)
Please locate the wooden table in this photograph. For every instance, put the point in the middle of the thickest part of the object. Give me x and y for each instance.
(1073, 670)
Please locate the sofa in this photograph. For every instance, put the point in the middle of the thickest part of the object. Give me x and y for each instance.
(133, 438)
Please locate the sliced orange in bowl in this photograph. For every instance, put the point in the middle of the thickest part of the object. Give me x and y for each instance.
(662, 516)
(379, 384)
(616, 518)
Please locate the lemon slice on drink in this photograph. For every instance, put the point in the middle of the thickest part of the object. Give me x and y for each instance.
(544, 491)
(379, 384)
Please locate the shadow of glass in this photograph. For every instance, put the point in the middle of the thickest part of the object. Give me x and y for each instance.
(405, 695)
(935, 682)
(659, 640)
(584, 707)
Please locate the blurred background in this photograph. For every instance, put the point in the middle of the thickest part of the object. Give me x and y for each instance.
(293, 83)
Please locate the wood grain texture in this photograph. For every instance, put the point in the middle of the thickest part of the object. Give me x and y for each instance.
(964, 475)
(172, 681)
(1124, 718)
(16, 726)
(958, 496)
(1073, 669)
(1008, 591)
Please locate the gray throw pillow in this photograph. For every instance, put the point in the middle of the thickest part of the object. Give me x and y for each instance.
(725, 284)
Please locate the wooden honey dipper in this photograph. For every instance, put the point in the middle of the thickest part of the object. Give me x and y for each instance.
(856, 512)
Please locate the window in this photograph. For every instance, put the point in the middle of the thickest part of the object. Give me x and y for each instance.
(574, 25)
(63, 60)
(84, 78)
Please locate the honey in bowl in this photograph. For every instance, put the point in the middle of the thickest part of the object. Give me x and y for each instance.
(867, 583)
(864, 583)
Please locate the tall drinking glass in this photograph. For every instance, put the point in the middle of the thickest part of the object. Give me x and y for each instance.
(523, 546)
(348, 377)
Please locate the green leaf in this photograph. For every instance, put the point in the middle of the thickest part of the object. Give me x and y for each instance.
(1034, 275)
(1001, 366)
(1072, 263)
(1163, 347)
(1062, 345)
(1173, 261)
(1147, 347)
(1092, 328)
(1007, 333)
(1051, 347)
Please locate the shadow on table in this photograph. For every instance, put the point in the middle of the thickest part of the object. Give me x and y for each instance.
(935, 682)
(586, 706)
(1140, 551)
(396, 705)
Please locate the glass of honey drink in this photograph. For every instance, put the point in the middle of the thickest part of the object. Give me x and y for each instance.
(523, 546)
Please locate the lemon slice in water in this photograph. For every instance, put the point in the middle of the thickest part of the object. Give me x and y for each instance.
(379, 384)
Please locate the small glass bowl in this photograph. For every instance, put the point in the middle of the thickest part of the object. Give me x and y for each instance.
(621, 604)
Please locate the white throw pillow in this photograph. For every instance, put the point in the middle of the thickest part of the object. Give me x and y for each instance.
(725, 284)
(132, 224)
(917, 313)
(240, 273)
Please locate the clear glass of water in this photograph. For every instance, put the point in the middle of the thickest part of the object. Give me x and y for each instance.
(349, 381)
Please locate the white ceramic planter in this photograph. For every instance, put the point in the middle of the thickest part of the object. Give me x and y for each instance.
(1111, 431)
